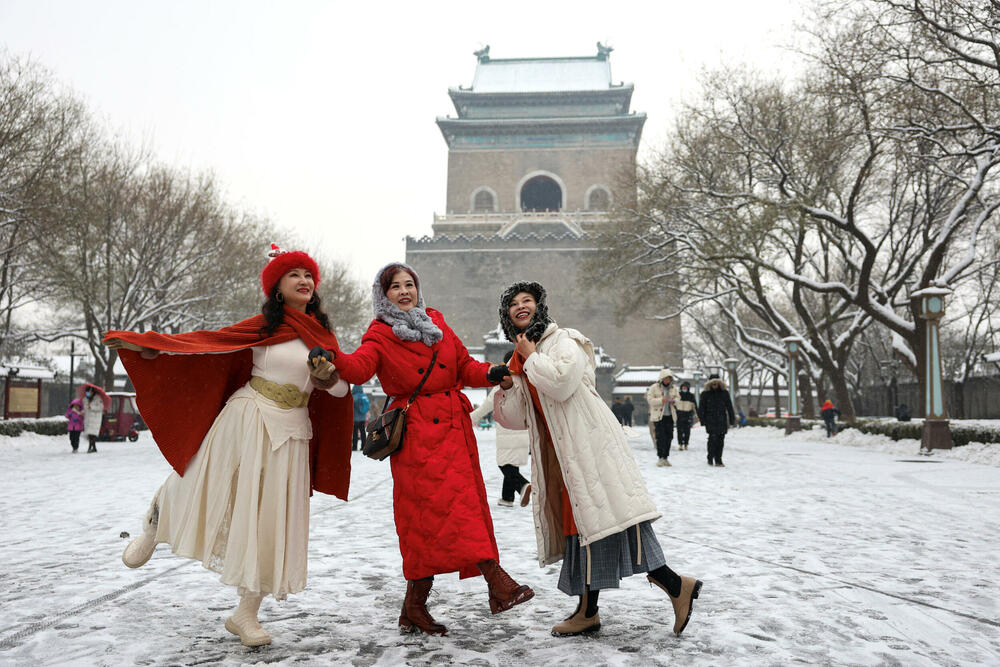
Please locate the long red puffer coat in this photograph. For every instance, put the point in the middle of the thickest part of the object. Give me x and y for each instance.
(439, 498)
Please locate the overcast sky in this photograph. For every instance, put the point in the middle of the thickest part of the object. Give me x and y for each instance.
(320, 115)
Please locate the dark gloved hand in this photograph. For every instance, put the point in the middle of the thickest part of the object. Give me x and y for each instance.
(497, 373)
(317, 352)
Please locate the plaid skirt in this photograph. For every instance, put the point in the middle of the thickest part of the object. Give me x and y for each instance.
(604, 563)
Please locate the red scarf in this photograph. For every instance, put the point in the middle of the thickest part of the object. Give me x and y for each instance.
(180, 395)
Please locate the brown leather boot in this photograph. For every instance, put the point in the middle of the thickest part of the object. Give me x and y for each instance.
(414, 616)
(683, 603)
(578, 623)
(504, 591)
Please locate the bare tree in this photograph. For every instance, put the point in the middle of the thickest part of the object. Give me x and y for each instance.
(40, 127)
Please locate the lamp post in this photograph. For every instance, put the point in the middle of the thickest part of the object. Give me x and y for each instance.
(793, 344)
(697, 382)
(929, 303)
(730, 364)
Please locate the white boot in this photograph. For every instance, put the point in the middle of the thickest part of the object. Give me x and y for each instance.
(244, 622)
(139, 550)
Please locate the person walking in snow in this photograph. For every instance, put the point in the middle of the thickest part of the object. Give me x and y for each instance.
(233, 411)
(361, 405)
(662, 397)
(512, 453)
(829, 415)
(439, 498)
(74, 423)
(686, 407)
(627, 409)
(617, 410)
(93, 416)
(590, 504)
(715, 411)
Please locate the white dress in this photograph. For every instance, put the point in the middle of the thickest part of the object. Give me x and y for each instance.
(242, 506)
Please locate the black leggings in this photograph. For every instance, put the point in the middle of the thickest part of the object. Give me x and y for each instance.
(664, 436)
(513, 481)
(684, 422)
(358, 437)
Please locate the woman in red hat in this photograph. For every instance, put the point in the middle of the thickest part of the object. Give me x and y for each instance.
(235, 413)
(439, 498)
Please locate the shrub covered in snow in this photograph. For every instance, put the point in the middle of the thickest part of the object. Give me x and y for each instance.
(961, 434)
(46, 426)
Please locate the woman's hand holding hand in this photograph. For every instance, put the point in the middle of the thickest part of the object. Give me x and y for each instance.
(525, 347)
(323, 373)
(507, 382)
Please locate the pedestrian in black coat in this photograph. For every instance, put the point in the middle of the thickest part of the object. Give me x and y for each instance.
(617, 410)
(715, 411)
(686, 410)
(627, 409)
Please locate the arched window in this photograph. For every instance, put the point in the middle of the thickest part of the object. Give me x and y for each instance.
(599, 199)
(483, 202)
(541, 193)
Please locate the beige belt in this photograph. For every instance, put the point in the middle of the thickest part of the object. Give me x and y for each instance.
(285, 395)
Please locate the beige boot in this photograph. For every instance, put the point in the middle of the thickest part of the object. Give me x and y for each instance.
(578, 623)
(244, 622)
(139, 550)
(683, 603)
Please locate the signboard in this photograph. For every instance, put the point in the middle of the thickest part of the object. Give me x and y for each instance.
(22, 398)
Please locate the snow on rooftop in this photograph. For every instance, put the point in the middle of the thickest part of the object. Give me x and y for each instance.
(992, 357)
(537, 75)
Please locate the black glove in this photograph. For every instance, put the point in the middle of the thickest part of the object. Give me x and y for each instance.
(317, 352)
(498, 373)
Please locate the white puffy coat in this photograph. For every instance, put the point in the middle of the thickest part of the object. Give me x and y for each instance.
(605, 488)
(657, 395)
(512, 446)
(93, 415)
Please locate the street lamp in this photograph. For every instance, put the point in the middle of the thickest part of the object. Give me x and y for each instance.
(793, 344)
(697, 382)
(929, 305)
(731, 367)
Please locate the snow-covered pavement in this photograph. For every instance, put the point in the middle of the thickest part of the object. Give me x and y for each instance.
(811, 552)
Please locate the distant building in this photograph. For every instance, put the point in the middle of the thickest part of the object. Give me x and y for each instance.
(535, 155)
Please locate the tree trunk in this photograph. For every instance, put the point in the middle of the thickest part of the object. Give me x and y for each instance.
(806, 396)
(843, 394)
(777, 393)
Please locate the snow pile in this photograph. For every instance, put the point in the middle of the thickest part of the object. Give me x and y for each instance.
(975, 452)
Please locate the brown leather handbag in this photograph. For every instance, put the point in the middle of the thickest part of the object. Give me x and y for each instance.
(384, 435)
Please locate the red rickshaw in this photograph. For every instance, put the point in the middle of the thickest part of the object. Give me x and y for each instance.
(122, 419)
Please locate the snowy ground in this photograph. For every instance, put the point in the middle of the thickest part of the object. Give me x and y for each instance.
(812, 551)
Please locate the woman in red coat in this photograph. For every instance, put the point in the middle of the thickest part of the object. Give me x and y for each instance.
(439, 499)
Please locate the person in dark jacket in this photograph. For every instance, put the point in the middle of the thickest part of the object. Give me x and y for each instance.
(361, 405)
(715, 410)
(617, 409)
(829, 415)
(686, 411)
(627, 408)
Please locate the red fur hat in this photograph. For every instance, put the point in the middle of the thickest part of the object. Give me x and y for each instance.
(281, 263)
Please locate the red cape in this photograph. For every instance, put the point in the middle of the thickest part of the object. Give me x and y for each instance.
(180, 395)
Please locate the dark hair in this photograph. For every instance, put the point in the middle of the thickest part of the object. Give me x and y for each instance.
(385, 278)
(274, 312)
(508, 355)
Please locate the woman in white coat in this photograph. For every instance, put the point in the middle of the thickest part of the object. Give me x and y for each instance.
(512, 453)
(93, 416)
(590, 503)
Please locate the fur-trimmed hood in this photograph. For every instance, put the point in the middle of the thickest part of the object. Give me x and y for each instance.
(539, 321)
(715, 383)
(412, 325)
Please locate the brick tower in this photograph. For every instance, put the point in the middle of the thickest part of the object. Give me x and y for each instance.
(534, 158)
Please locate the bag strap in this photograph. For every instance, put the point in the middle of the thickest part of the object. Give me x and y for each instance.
(420, 386)
(416, 392)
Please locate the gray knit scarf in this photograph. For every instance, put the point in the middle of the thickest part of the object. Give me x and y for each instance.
(411, 325)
